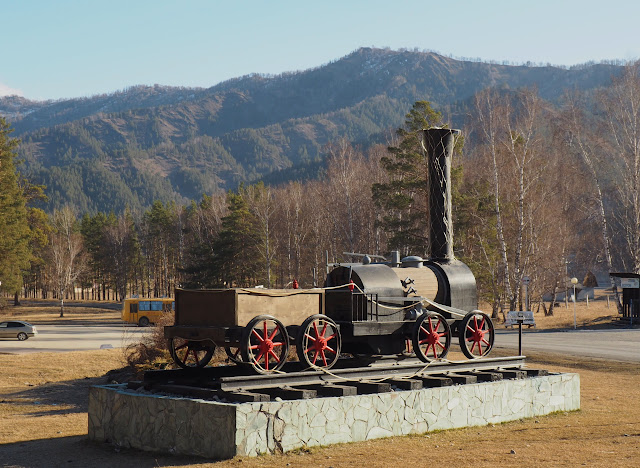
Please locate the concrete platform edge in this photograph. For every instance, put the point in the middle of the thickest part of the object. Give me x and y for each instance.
(221, 430)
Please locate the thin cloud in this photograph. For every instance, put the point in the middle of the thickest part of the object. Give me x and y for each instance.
(6, 91)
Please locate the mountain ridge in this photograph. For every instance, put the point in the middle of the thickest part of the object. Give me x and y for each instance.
(177, 143)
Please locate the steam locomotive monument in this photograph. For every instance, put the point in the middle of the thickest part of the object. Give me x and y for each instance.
(264, 404)
(364, 309)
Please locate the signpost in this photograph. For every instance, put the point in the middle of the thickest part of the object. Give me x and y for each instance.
(520, 319)
(574, 281)
(525, 282)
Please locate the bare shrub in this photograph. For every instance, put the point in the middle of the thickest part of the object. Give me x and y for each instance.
(151, 351)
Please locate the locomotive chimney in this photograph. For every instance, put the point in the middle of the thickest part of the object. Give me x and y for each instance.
(438, 143)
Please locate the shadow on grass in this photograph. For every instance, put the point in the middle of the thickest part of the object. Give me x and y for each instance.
(536, 359)
(78, 451)
(71, 395)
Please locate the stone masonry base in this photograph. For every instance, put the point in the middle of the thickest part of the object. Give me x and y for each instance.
(223, 430)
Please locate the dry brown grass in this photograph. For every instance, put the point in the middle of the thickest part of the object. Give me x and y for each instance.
(43, 422)
(595, 314)
(43, 419)
(47, 312)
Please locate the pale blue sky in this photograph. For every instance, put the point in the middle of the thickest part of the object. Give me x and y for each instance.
(65, 48)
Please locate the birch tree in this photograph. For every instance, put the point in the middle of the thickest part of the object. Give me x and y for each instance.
(584, 142)
(583, 134)
(66, 252)
(620, 104)
(263, 207)
(508, 129)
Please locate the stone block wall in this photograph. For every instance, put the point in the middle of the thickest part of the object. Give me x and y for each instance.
(223, 430)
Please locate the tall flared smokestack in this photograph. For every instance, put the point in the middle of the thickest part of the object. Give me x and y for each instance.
(438, 143)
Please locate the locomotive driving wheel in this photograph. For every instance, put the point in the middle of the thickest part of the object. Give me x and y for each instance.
(431, 337)
(319, 342)
(265, 344)
(189, 353)
(476, 334)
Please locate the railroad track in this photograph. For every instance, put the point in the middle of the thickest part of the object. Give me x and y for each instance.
(349, 377)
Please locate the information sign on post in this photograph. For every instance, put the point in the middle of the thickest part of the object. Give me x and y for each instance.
(630, 283)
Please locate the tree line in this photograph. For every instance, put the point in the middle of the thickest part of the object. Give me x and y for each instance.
(540, 190)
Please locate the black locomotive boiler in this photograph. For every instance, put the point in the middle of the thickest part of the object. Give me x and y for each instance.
(408, 304)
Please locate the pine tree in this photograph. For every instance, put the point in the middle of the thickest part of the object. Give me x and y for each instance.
(404, 198)
(93, 230)
(15, 235)
(236, 257)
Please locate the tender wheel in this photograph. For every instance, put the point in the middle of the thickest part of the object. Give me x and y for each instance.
(431, 337)
(318, 342)
(265, 344)
(476, 335)
(191, 354)
(143, 322)
(234, 354)
(22, 336)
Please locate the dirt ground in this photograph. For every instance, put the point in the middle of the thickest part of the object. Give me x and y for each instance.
(44, 397)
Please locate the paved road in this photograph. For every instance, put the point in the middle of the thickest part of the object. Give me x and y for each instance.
(74, 338)
(618, 345)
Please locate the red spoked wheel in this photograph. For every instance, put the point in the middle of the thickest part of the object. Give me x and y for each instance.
(265, 344)
(431, 337)
(191, 354)
(476, 335)
(319, 342)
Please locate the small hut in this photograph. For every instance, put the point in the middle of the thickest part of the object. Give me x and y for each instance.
(630, 285)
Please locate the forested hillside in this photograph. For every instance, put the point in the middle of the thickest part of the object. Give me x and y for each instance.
(130, 148)
(541, 188)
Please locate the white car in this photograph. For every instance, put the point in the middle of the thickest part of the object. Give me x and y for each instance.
(17, 329)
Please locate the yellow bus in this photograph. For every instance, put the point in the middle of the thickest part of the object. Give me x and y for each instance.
(145, 311)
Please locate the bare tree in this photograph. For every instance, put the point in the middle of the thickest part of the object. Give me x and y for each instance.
(263, 207)
(620, 103)
(509, 129)
(66, 252)
(293, 229)
(583, 139)
(489, 111)
(345, 175)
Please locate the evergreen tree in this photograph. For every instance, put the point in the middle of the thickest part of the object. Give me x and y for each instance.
(15, 235)
(203, 224)
(36, 280)
(236, 258)
(404, 198)
(93, 230)
(162, 243)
